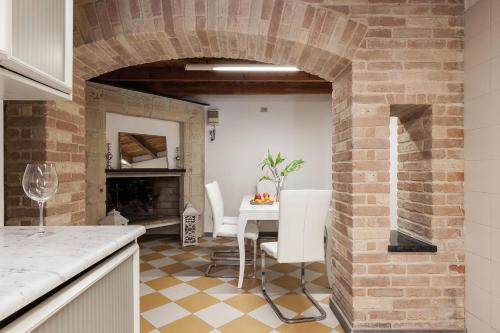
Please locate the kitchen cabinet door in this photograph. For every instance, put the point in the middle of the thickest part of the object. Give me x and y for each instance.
(39, 41)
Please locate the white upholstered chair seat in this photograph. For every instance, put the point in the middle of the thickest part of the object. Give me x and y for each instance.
(230, 220)
(230, 230)
(271, 249)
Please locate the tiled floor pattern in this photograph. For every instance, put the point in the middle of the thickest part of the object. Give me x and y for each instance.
(177, 298)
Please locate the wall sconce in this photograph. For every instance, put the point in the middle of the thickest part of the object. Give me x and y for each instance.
(212, 120)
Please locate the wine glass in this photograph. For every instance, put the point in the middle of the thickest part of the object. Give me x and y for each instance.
(40, 183)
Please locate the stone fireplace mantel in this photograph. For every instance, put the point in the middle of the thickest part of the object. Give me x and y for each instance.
(152, 172)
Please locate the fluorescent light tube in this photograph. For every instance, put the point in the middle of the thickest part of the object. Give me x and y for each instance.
(259, 68)
(240, 68)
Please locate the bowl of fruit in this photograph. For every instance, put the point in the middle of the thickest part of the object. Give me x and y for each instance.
(261, 199)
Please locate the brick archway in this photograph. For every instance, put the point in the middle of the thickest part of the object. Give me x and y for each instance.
(375, 53)
(316, 39)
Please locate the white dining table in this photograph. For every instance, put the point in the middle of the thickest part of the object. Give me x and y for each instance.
(249, 212)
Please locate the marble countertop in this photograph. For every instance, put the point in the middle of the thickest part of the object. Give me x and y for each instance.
(31, 266)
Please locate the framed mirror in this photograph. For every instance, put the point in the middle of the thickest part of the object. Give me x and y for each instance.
(142, 151)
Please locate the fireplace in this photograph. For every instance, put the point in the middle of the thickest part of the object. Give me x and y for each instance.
(153, 199)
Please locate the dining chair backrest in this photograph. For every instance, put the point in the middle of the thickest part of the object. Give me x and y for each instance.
(216, 204)
(303, 214)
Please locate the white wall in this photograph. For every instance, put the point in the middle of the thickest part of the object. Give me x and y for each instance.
(393, 138)
(1, 166)
(482, 167)
(299, 126)
(116, 123)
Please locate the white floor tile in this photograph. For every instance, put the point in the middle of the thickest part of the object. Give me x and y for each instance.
(162, 262)
(266, 315)
(195, 262)
(223, 291)
(189, 274)
(165, 314)
(172, 252)
(145, 289)
(202, 252)
(218, 314)
(178, 291)
(145, 250)
(151, 275)
(310, 275)
(330, 320)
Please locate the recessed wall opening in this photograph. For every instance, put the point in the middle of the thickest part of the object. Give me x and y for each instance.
(411, 170)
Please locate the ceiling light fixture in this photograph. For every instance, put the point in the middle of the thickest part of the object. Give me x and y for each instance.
(240, 68)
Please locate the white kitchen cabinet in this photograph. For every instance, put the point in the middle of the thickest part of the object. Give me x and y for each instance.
(36, 49)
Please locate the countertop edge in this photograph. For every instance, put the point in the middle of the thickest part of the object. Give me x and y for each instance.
(16, 301)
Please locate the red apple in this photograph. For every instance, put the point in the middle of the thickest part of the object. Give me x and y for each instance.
(257, 196)
(265, 195)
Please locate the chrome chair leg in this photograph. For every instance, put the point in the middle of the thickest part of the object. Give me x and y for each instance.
(254, 258)
(232, 261)
(303, 286)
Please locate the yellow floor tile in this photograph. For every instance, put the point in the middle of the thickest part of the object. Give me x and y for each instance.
(322, 281)
(174, 268)
(284, 268)
(317, 267)
(222, 240)
(245, 324)
(295, 302)
(287, 282)
(246, 302)
(153, 300)
(197, 302)
(146, 327)
(191, 248)
(312, 327)
(145, 266)
(183, 256)
(189, 324)
(160, 248)
(203, 282)
(179, 279)
(248, 284)
(163, 282)
(152, 256)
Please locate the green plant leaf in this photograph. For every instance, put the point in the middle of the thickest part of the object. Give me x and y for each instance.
(279, 159)
(265, 178)
(293, 166)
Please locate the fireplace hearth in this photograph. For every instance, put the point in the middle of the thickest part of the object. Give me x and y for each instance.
(145, 199)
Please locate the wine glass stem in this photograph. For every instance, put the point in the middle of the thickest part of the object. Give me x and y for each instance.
(41, 228)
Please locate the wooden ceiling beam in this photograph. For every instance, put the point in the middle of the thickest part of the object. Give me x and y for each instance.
(169, 75)
(227, 88)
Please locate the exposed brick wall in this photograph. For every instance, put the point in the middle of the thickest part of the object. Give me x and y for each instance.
(412, 54)
(342, 179)
(25, 128)
(395, 52)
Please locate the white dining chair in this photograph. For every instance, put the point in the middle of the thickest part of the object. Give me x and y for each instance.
(303, 214)
(227, 226)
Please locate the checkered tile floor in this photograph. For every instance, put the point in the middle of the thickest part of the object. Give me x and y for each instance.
(177, 298)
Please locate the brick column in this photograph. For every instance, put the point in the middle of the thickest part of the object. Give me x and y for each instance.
(343, 197)
(25, 124)
(46, 132)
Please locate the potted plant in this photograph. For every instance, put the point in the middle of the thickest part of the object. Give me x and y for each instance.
(276, 176)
